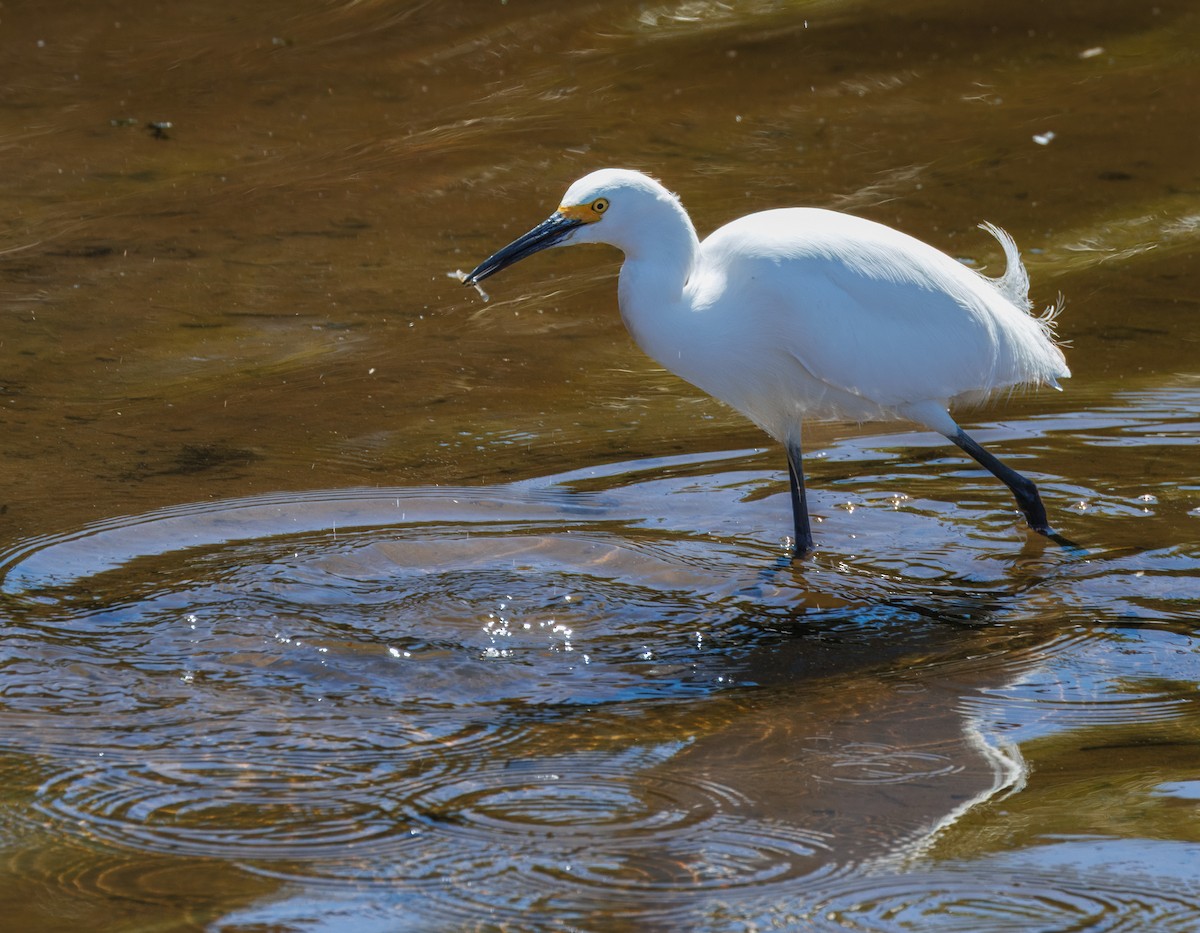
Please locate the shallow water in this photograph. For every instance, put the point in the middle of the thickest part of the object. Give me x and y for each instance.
(335, 599)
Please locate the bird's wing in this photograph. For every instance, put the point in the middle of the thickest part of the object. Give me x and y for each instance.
(864, 308)
(890, 340)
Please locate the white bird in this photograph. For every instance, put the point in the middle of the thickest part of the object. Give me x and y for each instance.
(807, 313)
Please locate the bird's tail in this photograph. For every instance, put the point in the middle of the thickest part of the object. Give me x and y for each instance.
(1014, 284)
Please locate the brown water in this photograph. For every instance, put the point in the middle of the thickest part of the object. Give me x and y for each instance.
(334, 599)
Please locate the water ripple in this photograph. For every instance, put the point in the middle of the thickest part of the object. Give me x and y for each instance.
(1002, 898)
(535, 698)
(207, 808)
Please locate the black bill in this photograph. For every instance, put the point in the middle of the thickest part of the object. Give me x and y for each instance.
(549, 232)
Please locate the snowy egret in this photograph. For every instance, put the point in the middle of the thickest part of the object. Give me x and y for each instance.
(807, 313)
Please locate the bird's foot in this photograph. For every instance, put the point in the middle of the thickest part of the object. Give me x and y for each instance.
(800, 544)
(1063, 542)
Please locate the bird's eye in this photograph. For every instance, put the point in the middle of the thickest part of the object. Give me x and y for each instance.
(600, 205)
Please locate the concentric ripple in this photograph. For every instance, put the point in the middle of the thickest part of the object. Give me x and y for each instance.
(537, 701)
(207, 808)
(1076, 685)
(150, 891)
(570, 835)
(597, 821)
(1008, 895)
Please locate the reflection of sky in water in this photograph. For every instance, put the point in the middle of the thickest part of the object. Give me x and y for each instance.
(1063, 884)
(1184, 790)
(1078, 684)
(1060, 884)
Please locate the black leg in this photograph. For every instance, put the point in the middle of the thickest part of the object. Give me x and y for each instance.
(803, 533)
(1023, 489)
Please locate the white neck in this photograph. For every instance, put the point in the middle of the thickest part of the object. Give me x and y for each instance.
(657, 268)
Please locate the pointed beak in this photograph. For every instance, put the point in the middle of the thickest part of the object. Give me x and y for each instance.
(549, 232)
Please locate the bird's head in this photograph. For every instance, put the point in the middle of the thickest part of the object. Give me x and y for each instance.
(608, 206)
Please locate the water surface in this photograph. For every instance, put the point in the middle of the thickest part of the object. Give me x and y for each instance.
(333, 598)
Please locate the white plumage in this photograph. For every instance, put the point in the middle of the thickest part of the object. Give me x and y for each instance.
(806, 313)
